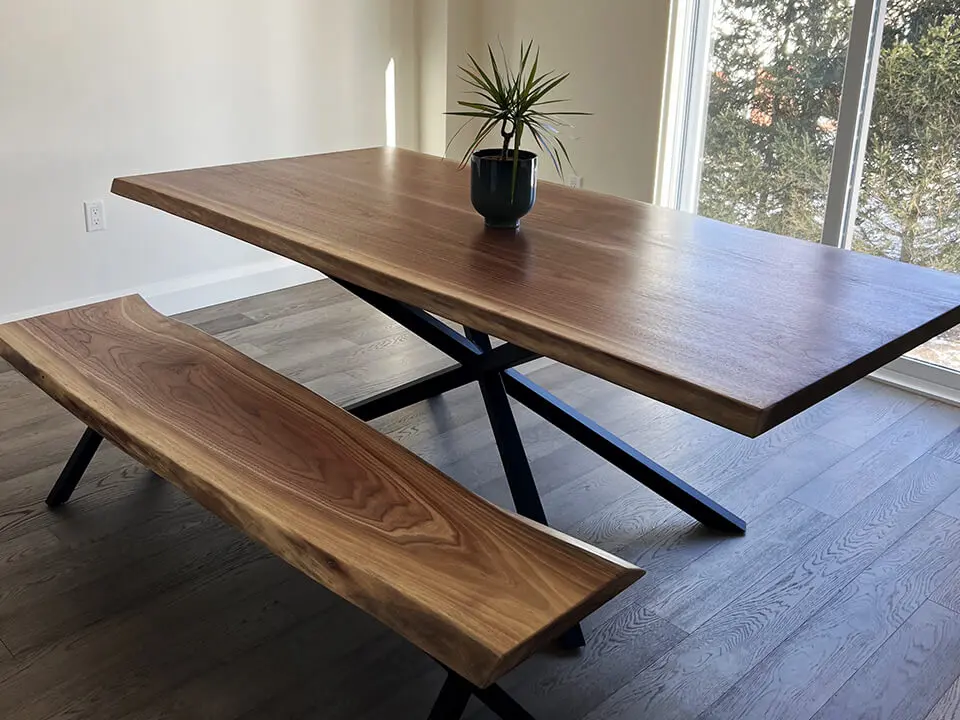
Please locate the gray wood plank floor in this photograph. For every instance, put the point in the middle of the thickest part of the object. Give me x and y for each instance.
(842, 600)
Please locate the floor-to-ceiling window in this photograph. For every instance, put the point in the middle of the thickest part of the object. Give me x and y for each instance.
(834, 121)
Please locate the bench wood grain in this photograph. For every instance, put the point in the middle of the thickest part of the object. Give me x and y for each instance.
(476, 587)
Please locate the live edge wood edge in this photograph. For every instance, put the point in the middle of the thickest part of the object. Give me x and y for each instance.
(735, 415)
(743, 419)
(469, 655)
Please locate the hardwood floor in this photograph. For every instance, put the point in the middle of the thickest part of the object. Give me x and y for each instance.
(841, 601)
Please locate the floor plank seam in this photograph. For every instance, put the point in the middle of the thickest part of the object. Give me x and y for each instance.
(614, 688)
(814, 611)
(9, 651)
(811, 431)
(84, 492)
(295, 627)
(811, 507)
(939, 512)
(855, 678)
(774, 569)
(864, 499)
(839, 593)
(772, 652)
(941, 605)
(707, 713)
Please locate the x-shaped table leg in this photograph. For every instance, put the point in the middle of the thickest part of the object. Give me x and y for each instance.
(493, 369)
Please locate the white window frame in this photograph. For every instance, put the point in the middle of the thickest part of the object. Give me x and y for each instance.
(683, 129)
(856, 105)
(687, 93)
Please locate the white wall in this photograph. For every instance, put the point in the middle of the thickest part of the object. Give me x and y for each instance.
(615, 51)
(95, 89)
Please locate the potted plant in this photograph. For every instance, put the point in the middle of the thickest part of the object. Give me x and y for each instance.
(503, 180)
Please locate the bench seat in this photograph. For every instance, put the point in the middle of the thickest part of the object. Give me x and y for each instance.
(476, 587)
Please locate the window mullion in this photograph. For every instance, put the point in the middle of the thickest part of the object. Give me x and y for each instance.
(856, 103)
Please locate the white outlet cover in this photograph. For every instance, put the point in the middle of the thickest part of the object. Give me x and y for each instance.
(94, 216)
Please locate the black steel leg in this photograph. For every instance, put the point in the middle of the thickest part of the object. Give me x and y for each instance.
(73, 470)
(492, 369)
(420, 323)
(523, 487)
(453, 699)
(618, 453)
(412, 392)
(516, 467)
(456, 692)
(504, 706)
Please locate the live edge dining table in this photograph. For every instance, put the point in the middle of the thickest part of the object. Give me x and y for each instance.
(742, 328)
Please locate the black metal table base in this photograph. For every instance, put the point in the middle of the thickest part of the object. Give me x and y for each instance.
(493, 369)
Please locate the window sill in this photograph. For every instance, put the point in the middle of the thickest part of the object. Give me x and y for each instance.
(922, 378)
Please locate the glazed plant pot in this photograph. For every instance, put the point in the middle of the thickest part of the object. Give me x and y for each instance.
(492, 191)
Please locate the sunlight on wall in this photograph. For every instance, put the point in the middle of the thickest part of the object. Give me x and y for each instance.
(391, 103)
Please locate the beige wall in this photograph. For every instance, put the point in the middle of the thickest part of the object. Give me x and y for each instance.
(432, 43)
(615, 51)
(448, 30)
(94, 89)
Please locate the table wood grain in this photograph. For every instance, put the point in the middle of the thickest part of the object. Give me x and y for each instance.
(476, 587)
(740, 327)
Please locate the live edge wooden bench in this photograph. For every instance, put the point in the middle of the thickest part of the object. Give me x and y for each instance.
(476, 587)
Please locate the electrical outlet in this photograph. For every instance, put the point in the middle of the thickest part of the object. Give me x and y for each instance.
(94, 216)
(575, 181)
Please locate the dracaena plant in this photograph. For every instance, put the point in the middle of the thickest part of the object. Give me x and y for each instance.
(515, 103)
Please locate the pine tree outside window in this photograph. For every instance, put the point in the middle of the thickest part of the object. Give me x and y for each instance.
(833, 121)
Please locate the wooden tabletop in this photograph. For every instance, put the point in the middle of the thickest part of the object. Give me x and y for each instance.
(740, 327)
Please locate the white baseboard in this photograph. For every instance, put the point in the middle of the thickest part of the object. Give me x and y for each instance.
(202, 290)
(224, 286)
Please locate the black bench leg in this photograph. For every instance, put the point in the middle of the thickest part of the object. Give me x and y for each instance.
(523, 488)
(456, 692)
(502, 705)
(453, 699)
(73, 470)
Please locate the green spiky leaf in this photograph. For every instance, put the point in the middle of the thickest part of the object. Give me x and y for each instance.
(515, 103)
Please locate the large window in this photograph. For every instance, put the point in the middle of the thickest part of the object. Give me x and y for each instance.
(834, 121)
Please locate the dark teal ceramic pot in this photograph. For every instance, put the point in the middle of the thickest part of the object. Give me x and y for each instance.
(491, 182)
